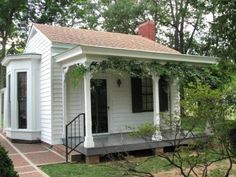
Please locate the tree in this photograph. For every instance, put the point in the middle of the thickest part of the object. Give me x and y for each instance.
(181, 21)
(123, 16)
(47, 12)
(11, 13)
(211, 144)
(224, 29)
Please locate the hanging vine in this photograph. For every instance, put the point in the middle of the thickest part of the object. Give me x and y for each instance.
(185, 72)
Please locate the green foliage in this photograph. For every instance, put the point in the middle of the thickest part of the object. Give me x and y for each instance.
(6, 166)
(216, 109)
(223, 29)
(76, 73)
(11, 22)
(123, 16)
(65, 13)
(184, 72)
(212, 105)
(217, 173)
(191, 123)
(145, 130)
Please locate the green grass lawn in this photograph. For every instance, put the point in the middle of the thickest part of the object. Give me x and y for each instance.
(108, 169)
(118, 168)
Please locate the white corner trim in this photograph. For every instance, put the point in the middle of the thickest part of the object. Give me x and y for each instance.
(137, 54)
(29, 56)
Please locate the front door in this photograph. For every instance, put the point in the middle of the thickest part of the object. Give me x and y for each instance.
(99, 105)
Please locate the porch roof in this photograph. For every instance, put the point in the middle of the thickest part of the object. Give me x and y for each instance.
(80, 52)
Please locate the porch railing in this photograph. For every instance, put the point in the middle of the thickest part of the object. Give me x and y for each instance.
(75, 133)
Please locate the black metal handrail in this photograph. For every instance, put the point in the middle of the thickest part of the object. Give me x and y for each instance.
(75, 134)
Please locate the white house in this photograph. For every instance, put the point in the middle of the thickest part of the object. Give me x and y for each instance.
(40, 100)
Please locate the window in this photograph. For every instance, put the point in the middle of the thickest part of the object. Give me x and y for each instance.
(9, 100)
(147, 94)
(22, 99)
(142, 95)
(163, 94)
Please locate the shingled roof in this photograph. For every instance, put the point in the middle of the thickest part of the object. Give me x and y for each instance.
(101, 39)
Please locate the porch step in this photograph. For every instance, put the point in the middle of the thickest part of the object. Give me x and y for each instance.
(73, 156)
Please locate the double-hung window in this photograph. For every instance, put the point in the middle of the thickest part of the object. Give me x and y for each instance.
(142, 94)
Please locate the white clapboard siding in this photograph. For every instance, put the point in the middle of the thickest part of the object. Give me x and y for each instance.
(120, 114)
(39, 44)
(57, 97)
(75, 102)
(119, 101)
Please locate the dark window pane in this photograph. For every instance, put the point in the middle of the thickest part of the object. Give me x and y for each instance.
(136, 88)
(147, 94)
(22, 99)
(99, 105)
(149, 106)
(163, 94)
(142, 94)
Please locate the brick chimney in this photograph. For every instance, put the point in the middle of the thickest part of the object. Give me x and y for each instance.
(147, 29)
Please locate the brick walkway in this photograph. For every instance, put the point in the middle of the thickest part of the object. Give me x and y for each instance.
(26, 157)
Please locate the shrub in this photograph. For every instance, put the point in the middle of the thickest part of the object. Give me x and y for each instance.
(232, 135)
(144, 130)
(6, 166)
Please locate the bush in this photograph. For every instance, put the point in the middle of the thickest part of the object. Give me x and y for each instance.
(144, 130)
(6, 166)
(232, 135)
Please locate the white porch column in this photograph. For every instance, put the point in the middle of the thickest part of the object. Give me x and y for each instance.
(156, 107)
(87, 109)
(175, 102)
(64, 99)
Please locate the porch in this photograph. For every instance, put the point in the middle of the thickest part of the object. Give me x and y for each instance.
(124, 142)
(112, 105)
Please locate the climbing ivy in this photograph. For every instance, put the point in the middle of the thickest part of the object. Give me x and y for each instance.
(186, 73)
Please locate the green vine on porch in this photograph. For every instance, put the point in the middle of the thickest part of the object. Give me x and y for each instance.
(186, 73)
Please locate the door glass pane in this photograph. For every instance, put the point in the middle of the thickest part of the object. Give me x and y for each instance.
(99, 105)
(22, 99)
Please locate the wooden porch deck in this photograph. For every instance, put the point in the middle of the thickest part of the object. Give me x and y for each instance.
(123, 142)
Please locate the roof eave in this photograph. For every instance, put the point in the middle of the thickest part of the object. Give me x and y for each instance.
(105, 51)
(10, 58)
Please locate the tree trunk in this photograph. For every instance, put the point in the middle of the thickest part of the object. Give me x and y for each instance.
(2, 68)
